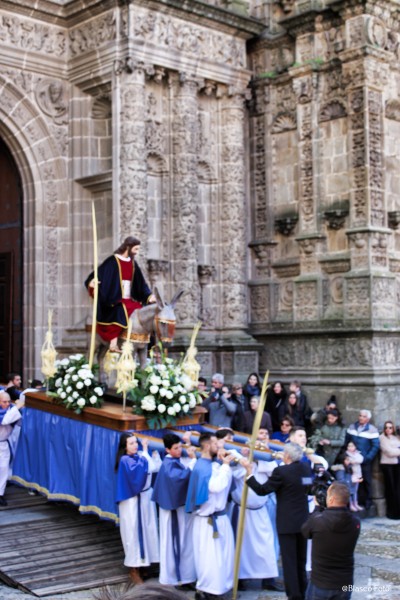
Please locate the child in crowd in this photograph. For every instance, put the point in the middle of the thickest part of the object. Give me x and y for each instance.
(348, 470)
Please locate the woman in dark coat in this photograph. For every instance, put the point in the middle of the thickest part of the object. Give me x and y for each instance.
(249, 416)
(298, 409)
(252, 386)
(276, 396)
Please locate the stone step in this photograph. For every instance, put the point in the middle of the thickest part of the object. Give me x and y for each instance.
(379, 534)
(385, 569)
(381, 548)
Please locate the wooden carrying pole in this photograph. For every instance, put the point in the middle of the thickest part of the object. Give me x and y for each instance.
(243, 503)
(95, 291)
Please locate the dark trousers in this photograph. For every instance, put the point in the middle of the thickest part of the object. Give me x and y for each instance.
(365, 489)
(316, 593)
(294, 555)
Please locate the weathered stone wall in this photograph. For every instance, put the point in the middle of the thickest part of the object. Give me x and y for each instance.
(260, 172)
(324, 293)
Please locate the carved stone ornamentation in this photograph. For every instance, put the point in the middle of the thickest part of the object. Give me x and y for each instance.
(307, 207)
(233, 208)
(336, 217)
(285, 224)
(92, 34)
(205, 273)
(287, 5)
(392, 110)
(306, 300)
(32, 36)
(259, 304)
(101, 107)
(284, 122)
(156, 270)
(185, 196)
(376, 32)
(180, 37)
(357, 298)
(51, 98)
(263, 256)
(394, 219)
(132, 156)
(332, 110)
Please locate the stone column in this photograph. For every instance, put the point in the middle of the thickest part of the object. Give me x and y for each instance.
(130, 178)
(185, 196)
(233, 210)
(370, 288)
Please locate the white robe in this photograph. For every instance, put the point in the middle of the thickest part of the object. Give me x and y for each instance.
(214, 557)
(258, 559)
(167, 563)
(128, 514)
(6, 431)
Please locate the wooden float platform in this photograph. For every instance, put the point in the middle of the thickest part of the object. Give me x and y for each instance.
(110, 415)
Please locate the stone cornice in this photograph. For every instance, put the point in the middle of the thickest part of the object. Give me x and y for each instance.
(76, 11)
(206, 14)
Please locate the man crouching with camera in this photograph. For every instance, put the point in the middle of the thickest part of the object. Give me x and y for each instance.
(334, 531)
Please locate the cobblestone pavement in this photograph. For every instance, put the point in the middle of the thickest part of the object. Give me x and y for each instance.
(377, 573)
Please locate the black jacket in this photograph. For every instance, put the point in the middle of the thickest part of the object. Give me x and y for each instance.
(334, 533)
(289, 482)
(110, 308)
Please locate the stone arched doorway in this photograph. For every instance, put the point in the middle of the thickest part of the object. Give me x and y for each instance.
(11, 234)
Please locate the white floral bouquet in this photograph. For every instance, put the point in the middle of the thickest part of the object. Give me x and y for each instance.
(75, 384)
(162, 392)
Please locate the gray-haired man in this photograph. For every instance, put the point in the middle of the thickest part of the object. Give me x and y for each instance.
(289, 482)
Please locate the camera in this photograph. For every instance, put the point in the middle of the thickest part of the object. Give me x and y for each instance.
(320, 485)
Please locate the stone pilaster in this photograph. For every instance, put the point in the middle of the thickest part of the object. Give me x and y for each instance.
(233, 210)
(130, 178)
(370, 290)
(185, 196)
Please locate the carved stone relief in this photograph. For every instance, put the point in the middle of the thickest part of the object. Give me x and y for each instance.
(133, 168)
(306, 300)
(93, 34)
(176, 35)
(233, 208)
(392, 109)
(259, 304)
(332, 353)
(260, 192)
(31, 35)
(51, 96)
(185, 195)
(284, 122)
(307, 209)
(357, 297)
(333, 110)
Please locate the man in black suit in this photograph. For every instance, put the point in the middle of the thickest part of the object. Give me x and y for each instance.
(289, 481)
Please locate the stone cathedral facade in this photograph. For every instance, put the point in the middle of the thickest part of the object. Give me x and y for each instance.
(252, 145)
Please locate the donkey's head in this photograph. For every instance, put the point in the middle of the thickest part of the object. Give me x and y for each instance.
(165, 319)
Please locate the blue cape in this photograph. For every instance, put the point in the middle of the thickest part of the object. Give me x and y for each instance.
(131, 478)
(171, 485)
(198, 484)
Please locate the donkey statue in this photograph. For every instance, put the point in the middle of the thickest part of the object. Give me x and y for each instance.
(158, 318)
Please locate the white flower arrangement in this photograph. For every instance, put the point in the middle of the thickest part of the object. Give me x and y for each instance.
(162, 392)
(75, 384)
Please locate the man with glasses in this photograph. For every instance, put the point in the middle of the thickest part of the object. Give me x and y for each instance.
(365, 436)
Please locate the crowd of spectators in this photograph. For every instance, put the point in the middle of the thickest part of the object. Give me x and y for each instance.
(349, 450)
